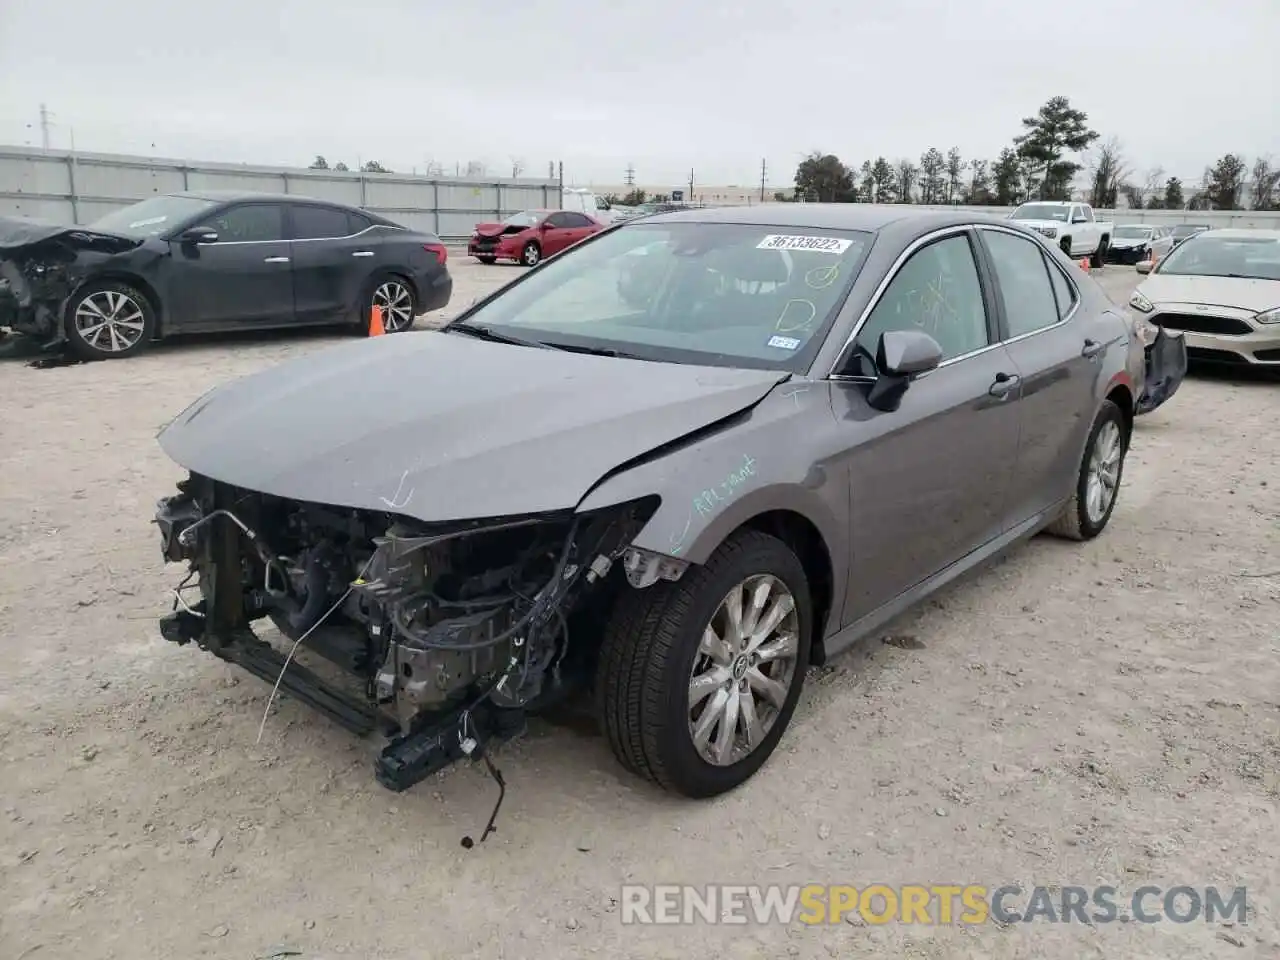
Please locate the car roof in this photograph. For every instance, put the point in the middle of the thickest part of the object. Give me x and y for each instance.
(832, 216)
(1245, 233)
(228, 196)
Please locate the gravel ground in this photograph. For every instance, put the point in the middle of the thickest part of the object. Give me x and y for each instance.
(1105, 713)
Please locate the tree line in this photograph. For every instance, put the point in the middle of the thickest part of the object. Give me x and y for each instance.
(1042, 163)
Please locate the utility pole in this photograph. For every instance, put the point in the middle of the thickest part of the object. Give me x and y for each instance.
(44, 125)
(630, 178)
(691, 184)
(764, 176)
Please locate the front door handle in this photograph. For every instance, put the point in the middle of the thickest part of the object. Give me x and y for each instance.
(363, 253)
(1005, 384)
(1091, 349)
(276, 260)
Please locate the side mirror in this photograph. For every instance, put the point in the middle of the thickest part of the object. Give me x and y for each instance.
(544, 225)
(901, 356)
(199, 235)
(1143, 266)
(1079, 219)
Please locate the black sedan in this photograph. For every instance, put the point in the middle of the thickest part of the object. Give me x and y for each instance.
(201, 262)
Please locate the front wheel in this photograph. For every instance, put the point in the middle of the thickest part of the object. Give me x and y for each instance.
(531, 254)
(698, 679)
(1098, 481)
(399, 305)
(487, 260)
(108, 321)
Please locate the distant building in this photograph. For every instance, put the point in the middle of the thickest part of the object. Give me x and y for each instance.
(731, 195)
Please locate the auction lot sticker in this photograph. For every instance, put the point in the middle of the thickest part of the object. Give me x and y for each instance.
(777, 241)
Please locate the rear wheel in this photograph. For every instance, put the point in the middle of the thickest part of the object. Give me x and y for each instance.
(1065, 244)
(531, 254)
(399, 306)
(108, 321)
(1099, 256)
(1098, 481)
(698, 679)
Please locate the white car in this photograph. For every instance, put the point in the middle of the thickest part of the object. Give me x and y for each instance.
(1070, 225)
(1221, 289)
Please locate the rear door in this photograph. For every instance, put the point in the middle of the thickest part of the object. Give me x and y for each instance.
(334, 253)
(245, 276)
(578, 227)
(930, 485)
(1059, 357)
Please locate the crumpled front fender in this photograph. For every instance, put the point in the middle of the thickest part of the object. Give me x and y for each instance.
(1166, 367)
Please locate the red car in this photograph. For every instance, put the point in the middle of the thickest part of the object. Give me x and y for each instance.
(530, 235)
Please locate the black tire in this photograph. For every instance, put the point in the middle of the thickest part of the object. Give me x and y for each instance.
(531, 254)
(487, 260)
(1076, 522)
(1065, 244)
(650, 646)
(132, 319)
(1099, 257)
(379, 292)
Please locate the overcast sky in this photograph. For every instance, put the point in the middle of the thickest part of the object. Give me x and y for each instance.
(663, 84)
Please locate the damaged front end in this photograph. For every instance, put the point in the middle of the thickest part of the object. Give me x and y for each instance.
(40, 267)
(1165, 367)
(445, 635)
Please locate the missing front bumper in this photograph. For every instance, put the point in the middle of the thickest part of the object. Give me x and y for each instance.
(1166, 366)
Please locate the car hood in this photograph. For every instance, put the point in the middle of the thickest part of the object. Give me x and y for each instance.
(1255, 295)
(17, 233)
(440, 426)
(1041, 224)
(497, 229)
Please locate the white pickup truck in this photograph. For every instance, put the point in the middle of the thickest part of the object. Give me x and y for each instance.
(1071, 224)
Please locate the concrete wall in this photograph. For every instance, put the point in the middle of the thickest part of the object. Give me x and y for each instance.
(1258, 219)
(80, 187)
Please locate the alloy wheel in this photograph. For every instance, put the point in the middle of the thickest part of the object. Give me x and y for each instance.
(397, 305)
(110, 321)
(1104, 471)
(744, 669)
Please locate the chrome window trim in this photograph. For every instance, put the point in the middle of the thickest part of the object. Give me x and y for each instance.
(248, 243)
(889, 277)
(1075, 290)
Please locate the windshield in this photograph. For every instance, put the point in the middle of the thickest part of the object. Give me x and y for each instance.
(151, 217)
(527, 218)
(1133, 233)
(1186, 230)
(1209, 256)
(1040, 211)
(708, 293)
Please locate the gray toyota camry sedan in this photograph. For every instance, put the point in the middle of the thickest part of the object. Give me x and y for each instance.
(673, 466)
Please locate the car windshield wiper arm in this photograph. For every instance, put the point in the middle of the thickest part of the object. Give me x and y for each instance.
(488, 333)
(594, 351)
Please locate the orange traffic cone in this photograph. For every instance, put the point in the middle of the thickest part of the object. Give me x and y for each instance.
(1084, 264)
(375, 322)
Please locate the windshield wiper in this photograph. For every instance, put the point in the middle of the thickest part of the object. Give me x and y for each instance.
(488, 333)
(594, 351)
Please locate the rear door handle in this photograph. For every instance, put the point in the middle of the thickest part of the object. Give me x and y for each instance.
(363, 253)
(276, 260)
(1091, 349)
(1005, 383)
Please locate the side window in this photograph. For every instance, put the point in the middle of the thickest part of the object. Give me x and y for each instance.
(317, 223)
(558, 220)
(1087, 212)
(357, 222)
(1023, 277)
(249, 223)
(1063, 292)
(576, 220)
(937, 291)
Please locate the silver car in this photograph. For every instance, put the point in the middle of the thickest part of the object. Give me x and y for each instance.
(1135, 242)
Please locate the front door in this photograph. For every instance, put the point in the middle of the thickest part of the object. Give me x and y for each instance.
(1051, 347)
(931, 485)
(245, 275)
(556, 233)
